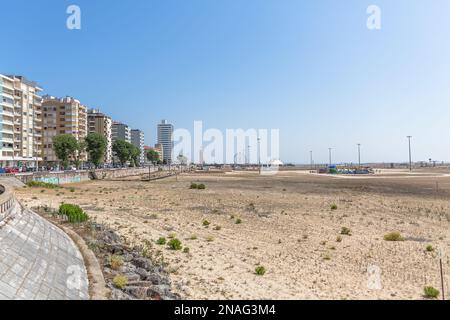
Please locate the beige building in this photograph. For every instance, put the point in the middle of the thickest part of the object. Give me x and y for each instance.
(62, 116)
(20, 122)
(101, 124)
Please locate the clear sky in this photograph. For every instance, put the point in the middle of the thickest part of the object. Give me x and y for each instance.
(310, 68)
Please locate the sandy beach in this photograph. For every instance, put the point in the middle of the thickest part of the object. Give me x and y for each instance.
(291, 224)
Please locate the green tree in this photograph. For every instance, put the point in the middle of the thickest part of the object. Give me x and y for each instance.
(122, 150)
(152, 156)
(134, 155)
(96, 146)
(81, 148)
(65, 147)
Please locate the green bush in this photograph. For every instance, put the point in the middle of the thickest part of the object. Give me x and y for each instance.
(40, 184)
(393, 236)
(260, 270)
(238, 221)
(345, 231)
(175, 244)
(430, 248)
(193, 186)
(334, 206)
(206, 223)
(430, 292)
(201, 186)
(161, 241)
(120, 281)
(73, 213)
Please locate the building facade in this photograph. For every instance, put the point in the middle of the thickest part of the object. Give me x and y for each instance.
(165, 138)
(101, 124)
(62, 116)
(137, 139)
(20, 123)
(121, 131)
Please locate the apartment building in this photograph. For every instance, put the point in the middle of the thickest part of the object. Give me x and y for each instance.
(62, 116)
(137, 139)
(121, 131)
(101, 124)
(20, 122)
(165, 138)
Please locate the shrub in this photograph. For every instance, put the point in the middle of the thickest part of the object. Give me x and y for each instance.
(334, 206)
(72, 189)
(161, 241)
(40, 184)
(201, 186)
(393, 236)
(206, 223)
(193, 186)
(260, 270)
(430, 292)
(175, 244)
(345, 231)
(116, 262)
(217, 228)
(210, 239)
(120, 282)
(430, 248)
(186, 250)
(238, 221)
(73, 213)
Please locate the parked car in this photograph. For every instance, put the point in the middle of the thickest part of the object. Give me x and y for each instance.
(2, 170)
(11, 170)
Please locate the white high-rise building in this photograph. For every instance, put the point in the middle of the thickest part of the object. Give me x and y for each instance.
(20, 122)
(137, 139)
(165, 138)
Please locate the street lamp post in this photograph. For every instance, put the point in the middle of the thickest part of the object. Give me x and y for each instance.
(311, 158)
(359, 155)
(410, 159)
(329, 154)
(259, 155)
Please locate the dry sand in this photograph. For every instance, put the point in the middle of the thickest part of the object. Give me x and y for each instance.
(287, 226)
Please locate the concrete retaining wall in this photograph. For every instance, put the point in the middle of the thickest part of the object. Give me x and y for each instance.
(79, 176)
(38, 260)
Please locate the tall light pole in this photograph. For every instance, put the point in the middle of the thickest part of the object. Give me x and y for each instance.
(312, 162)
(329, 154)
(359, 155)
(409, 145)
(259, 154)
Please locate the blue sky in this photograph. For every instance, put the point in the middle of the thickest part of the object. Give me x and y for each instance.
(310, 68)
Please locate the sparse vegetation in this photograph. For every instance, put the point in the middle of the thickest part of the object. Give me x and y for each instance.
(334, 206)
(346, 231)
(260, 270)
(73, 212)
(175, 244)
(116, 262)
(40, 184)
(200, 186)
(238, 221)
(430, 292)
(161, 241)
(430, 248)
(206, 223)
(120, 281)
(393, 236)
(186, 250)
